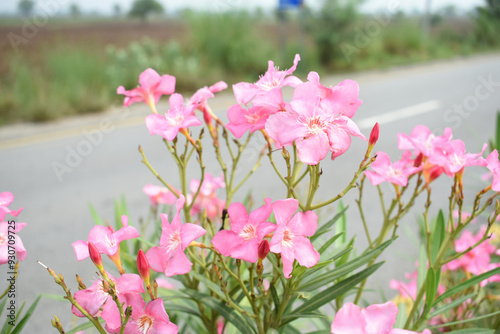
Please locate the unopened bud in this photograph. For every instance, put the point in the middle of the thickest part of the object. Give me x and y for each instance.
(418, 160)
(434, 173)
(263, 249)
(143, 266)
(95, 256)
(374, 135)
(81, 286)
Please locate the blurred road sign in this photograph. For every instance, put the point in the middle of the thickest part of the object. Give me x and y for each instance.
(289, 4)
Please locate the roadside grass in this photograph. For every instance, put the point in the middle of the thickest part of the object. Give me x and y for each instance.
(79, 77)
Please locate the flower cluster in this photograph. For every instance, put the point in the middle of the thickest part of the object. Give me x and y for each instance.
(8, 232)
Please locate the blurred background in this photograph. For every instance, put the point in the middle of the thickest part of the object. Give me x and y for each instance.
(66, 57)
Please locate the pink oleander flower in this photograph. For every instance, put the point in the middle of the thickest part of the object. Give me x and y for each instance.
(254, 118)
(396, 173)
(159, 195)
(493, 164)
(95, 297)
(177, 118)
(207, 199)
(199, 99)
(375, 319)
(8, 231)
(164, 283)
(290, 238)
(422, 140)
(247, 231)
(478, 260)
(244, 92)
(315, 123)
(105, 239)
(453, 159)
(152, 87)
(151, 319)
(6, 198)
(169, 257)
(410, 289)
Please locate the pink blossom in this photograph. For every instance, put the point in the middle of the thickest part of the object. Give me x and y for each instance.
(177, 118)
(95, 297)
(314, 124)
(396, 173)
(6, 198)
(410, 289)
(493, 164)
(8, 231)
(152, 87)
(207, 199)
(290, 238)
(199, 99)
(254, 118)
(453, 158)
(422, 140)
(169, 257)
(105, 239)
(151, 319)
(476, 261)
(375, 319)
(159, 195)
(244, 92)
(247, 231)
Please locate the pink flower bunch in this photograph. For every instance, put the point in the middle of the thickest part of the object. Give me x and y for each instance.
(169, 256)
(199, 99)
(375, 319)
(396, 173)
(440, 154)
(207, 199)
(159, 195)
(9, 231)
(476, 261)
(318, 118)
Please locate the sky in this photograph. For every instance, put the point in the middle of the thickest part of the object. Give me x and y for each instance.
(105, 6)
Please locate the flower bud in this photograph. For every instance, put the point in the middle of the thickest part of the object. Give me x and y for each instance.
(95, 256)
(434, 173)
(143, 266)
(418, 160)
(263, 249)
(374, 135)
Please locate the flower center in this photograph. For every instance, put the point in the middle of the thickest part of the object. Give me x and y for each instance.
(316, 124)
(288, 237)
(270, 80)
(3, 239)
(144, 323)
(393, 172)
(174, 241)
(175, 119)
(248, 232)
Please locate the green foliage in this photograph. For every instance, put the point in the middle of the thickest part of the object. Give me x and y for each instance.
(143, 8)
(487, 23)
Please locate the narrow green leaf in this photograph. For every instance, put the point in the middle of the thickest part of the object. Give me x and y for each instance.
(451, 305)
(210, 284)
(20, 325)
(464, 285)
(176, 309)
(430, 288)
(337, 290)
(231, 315)
(325, 227)
(473, 331)
(422, 267)
(329, 242)
(320, 265)
(317, 315)
(276, 299)
(289, 330)
(95, 215)
(466, 321)
(83, 326)
(437, 236)
(401, 317)
(344, 258)
(323, 279)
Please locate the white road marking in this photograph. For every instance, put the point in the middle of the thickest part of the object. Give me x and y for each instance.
(399, 114)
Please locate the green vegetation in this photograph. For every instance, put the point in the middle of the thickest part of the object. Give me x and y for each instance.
(79, 76)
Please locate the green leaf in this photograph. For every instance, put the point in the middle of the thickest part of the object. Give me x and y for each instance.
(95, 215)
(464, 285)
(466, 321)
(322, 280)
(401, 317)
(320, 265)
(344, 258)
(318, 315)
(431, 286)
(289, 330)
(176, 308)
(83, 326)
(323, 331)
(231, 315)
(325, 227)
(330, 241)
(20, 325)
(210, 284)
(451, 305)
(276, 299)
(337, 290)
(473, 331)
(437, 236)
(422, 267)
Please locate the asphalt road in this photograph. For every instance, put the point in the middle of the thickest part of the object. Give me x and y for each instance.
(463, 94)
